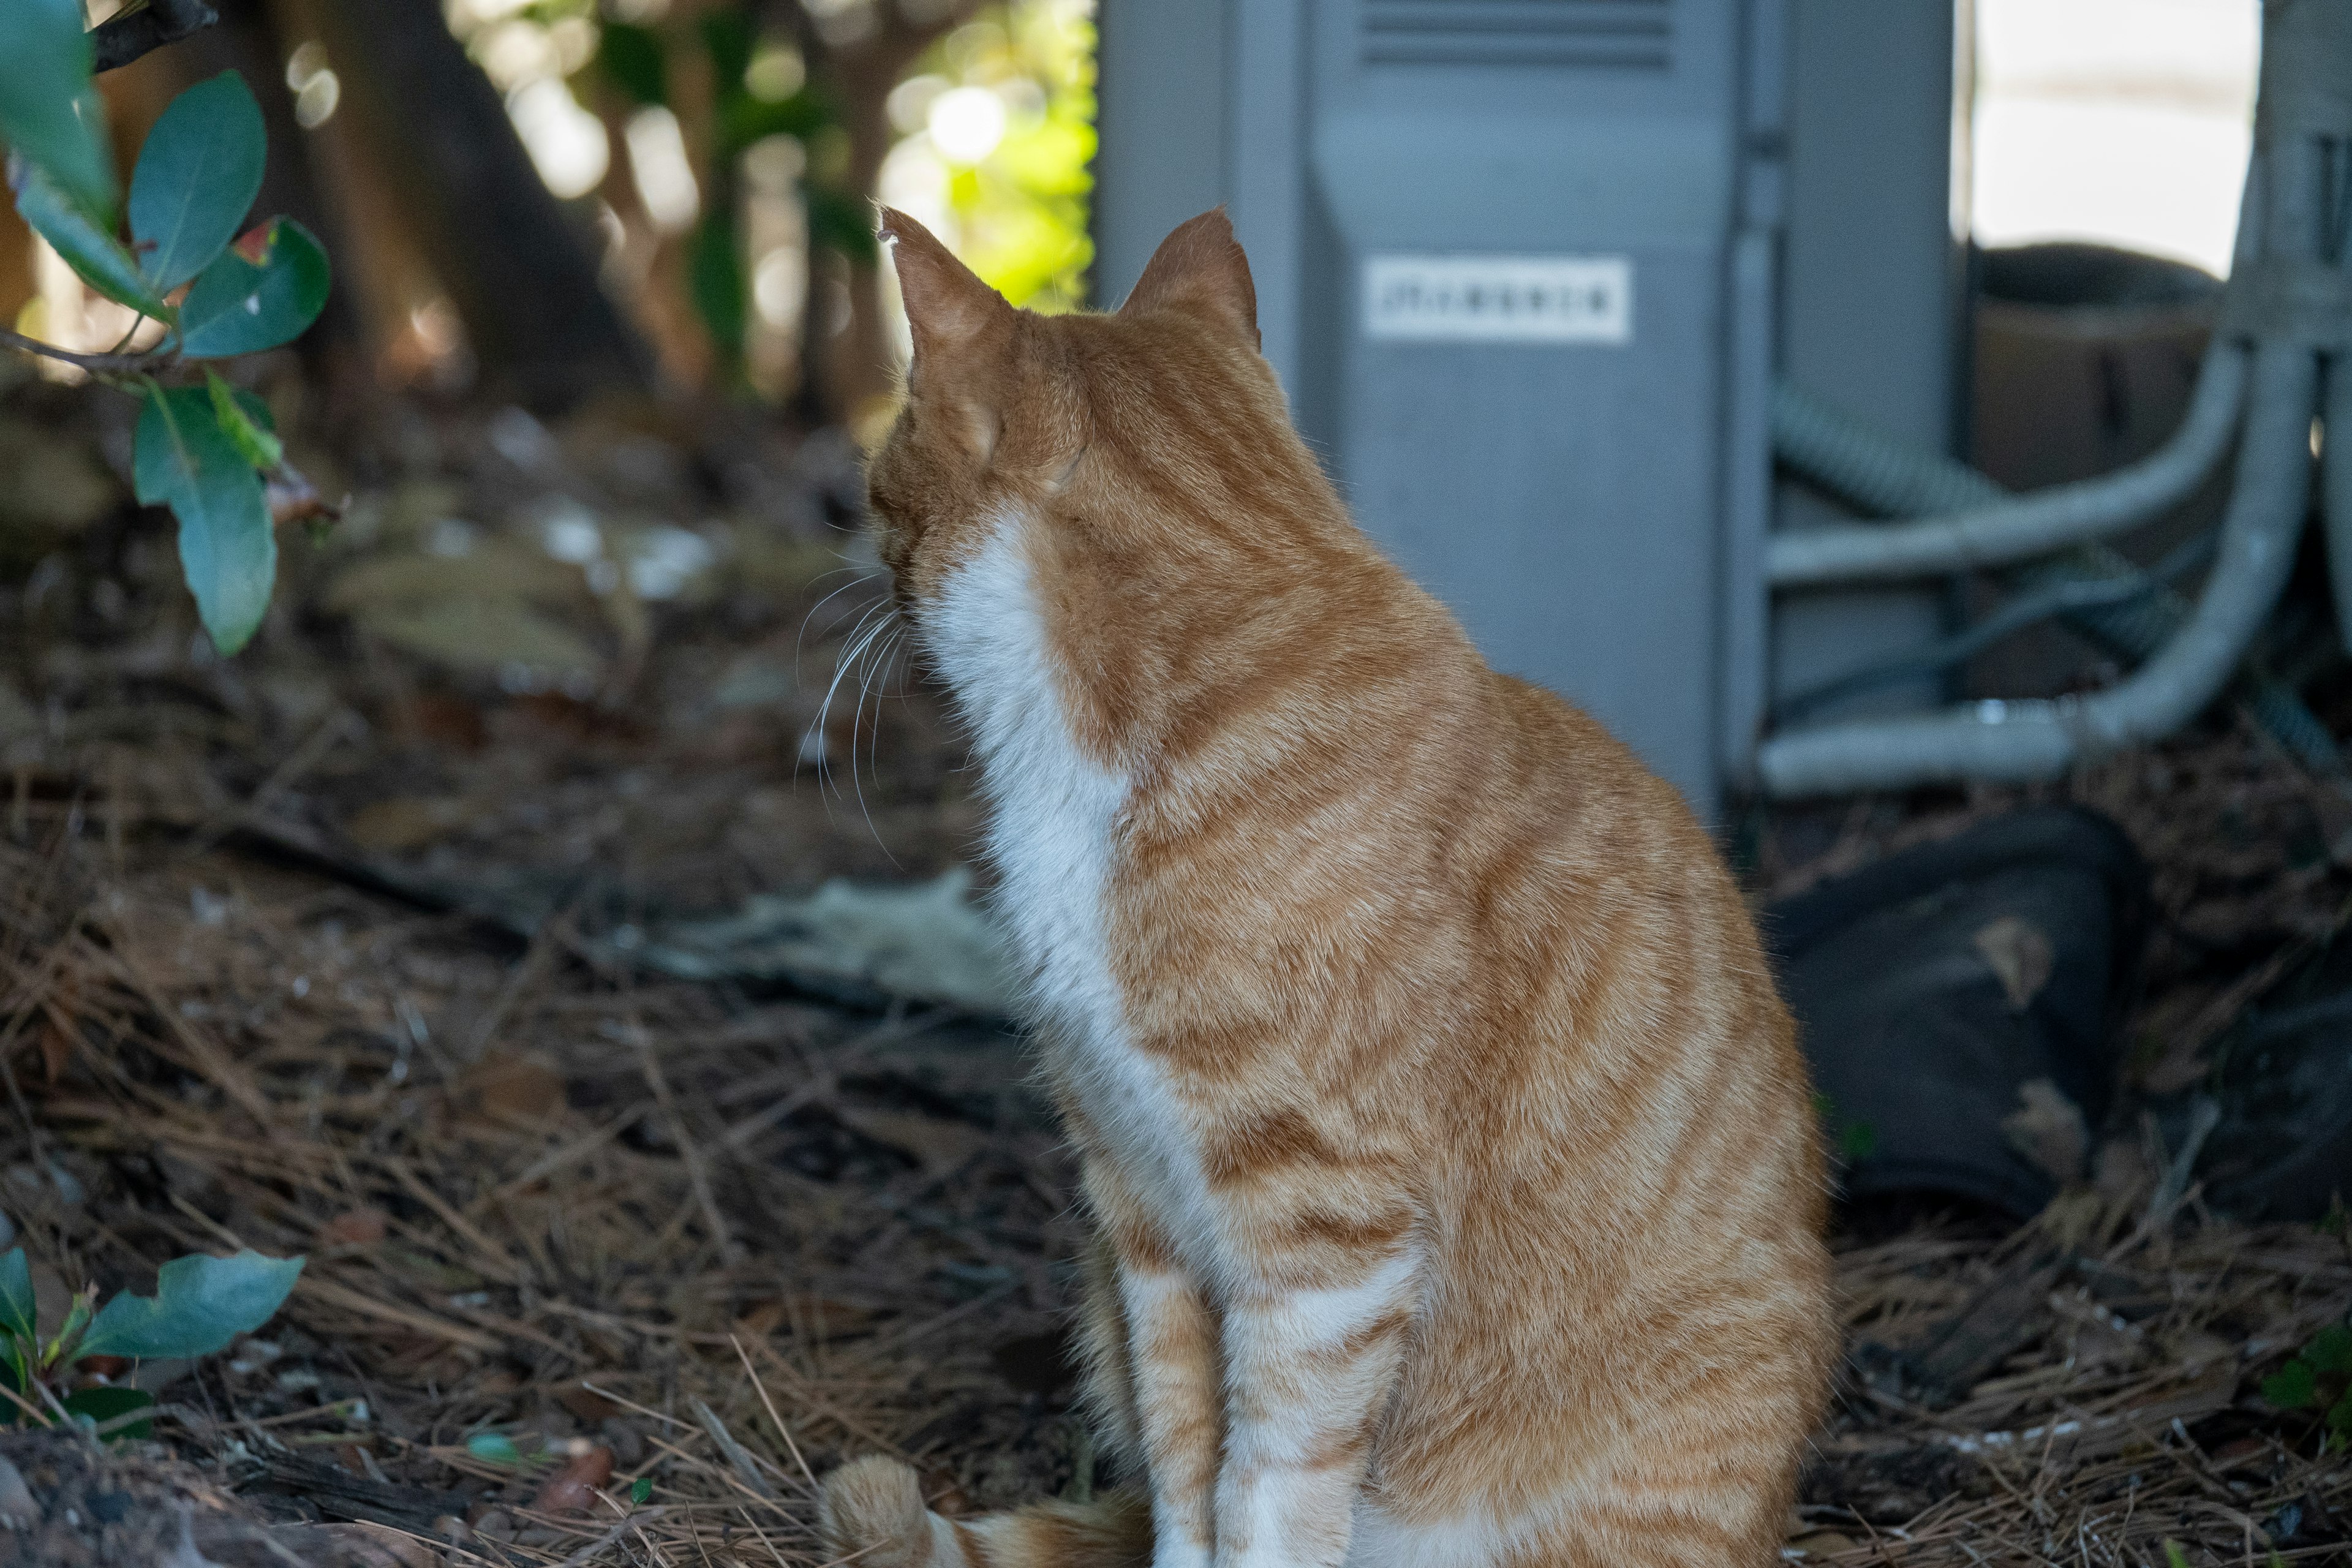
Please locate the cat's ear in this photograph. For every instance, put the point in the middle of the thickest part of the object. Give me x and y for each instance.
(947, 304)
(1200, 268)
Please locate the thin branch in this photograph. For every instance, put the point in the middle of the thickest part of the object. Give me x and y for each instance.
(87, 361)
(119, 40)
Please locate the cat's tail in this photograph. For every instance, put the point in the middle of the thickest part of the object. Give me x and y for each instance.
(872, 1513)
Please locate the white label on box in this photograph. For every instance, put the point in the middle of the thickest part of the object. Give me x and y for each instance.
(1499, 299)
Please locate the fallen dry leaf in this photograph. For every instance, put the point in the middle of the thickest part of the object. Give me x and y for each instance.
(514, 1089)
(362, 1226)
(573, 1489)
(2048, 1131)
(2021, 956)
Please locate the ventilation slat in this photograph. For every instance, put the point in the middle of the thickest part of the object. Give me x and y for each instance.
(1598, 34)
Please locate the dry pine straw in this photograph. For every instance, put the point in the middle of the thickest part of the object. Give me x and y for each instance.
(732, 1240)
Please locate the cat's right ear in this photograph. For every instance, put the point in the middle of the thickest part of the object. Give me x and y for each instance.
(1200, 268)
(947, 304)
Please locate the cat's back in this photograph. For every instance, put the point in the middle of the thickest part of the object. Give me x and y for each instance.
(1625, 1020)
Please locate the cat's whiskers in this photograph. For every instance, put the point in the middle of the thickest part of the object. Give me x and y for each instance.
(876, 631)
(860, 576)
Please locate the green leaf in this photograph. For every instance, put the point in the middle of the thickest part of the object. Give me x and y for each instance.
(245, 420)
(2330, 1350)
(77, 1316)
(2294, 1387)
(2340, 1416)
(49, 112)
(633, 59)
(2173, 1556)
(196, 178)
(12, 1373)
(200, 1304)
(87, 247)
(17, 1309)
(103, 1403)
(228, 553)
(641, 1489)
(494, 1447)
(261, 292)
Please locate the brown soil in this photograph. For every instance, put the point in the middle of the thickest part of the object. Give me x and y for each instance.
(685, 1244)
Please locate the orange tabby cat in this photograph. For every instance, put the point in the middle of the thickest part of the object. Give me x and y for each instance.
(1453, 1165)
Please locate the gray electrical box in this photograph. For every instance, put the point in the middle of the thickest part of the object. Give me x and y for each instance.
(1517, 266)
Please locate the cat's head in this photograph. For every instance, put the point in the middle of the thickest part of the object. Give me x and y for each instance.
(1077, 420)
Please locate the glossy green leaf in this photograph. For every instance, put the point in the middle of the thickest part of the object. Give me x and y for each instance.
(184, 459)
(245, 420)
(196, 179)
(16, 1309)
(261, 292)
(200, 1303)
(633, 59)
(49, 112)
(494, 1447)
(105, 1403)
(89, 249)
(641, 1489)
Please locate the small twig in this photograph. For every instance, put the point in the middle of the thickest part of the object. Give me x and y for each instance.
(740, 1461)
(342, 724)
(588, 1553)
(88, 362)
(119, 40)
(730, 1251)
(781, 1430)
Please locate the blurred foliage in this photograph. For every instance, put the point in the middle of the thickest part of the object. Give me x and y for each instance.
(1011, 200)
(1020, 210)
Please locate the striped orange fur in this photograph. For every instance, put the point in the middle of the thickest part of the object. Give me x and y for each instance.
(1457, 1184)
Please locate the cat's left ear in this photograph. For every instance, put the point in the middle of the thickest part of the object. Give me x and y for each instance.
(947, 304)
(1200, 268)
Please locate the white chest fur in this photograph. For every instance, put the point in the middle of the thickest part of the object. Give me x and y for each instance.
(1052, 834)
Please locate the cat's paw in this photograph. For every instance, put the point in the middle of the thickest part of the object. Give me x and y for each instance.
(873, 1509)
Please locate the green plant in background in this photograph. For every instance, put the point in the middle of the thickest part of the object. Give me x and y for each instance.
(2320, 1380)
(218, 289)
(1019, 193)
(745, 111)
(200, 1305)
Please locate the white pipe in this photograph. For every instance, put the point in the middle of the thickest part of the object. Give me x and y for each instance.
(2019, 741)
(2035, 524)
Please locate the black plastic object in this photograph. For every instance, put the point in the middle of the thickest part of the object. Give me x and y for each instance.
(2283, 1077)
(1956, 1001)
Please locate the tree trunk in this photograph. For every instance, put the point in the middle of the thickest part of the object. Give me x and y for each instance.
(856, 365)
(522, 275)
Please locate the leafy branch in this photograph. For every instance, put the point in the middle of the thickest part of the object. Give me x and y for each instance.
(206, 451)
(99, 364)
(200, 1305)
